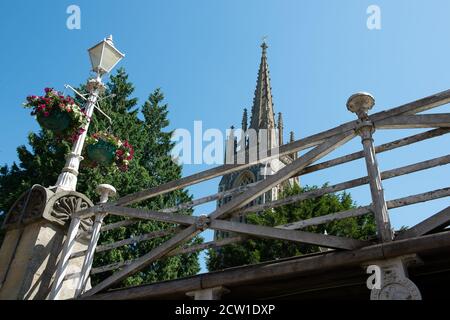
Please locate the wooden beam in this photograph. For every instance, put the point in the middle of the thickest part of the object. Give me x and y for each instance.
(152, 215)
(288, 235)
(285, 173)
(145, 260)
(179, 251)
(439, 220)
(379, 149)
(119, 224)
(132, 240)
(206, 245)
(415, 121)
(421, 197)
(356, 212)
(111, 266)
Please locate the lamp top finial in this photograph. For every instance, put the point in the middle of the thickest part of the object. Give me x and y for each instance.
(110, 39)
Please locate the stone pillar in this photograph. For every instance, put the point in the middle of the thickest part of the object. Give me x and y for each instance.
(393, 279)
(36, 228)
(215, 293)
(360, 104)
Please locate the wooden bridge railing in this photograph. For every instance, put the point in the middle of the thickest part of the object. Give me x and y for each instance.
(322, 144)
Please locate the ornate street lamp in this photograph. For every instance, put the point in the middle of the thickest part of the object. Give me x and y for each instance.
(104, 57)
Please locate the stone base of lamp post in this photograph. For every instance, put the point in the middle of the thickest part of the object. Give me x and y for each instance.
(36, 227)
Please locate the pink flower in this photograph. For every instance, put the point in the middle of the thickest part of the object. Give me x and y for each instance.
(119, 153)
(46, 114)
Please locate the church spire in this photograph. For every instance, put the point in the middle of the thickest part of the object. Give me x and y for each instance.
(262, 116)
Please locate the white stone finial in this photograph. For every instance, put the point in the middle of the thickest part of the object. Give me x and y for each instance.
(105, 191)
(360, 103)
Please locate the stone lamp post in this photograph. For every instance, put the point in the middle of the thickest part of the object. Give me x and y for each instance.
(37, 223)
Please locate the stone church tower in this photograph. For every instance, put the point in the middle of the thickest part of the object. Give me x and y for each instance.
(266, 128)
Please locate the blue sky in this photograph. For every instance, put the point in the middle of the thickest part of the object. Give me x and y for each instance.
(205, 56)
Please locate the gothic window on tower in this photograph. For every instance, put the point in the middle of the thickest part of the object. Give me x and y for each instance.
(245, 178)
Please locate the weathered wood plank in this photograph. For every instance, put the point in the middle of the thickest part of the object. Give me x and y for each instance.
(392, 204)
(356, 212)
(119, 224)
(421, 197)
(206, 245)
(438, 220)
(379, 149)
(288, 235)
(415, 121)
(145, 260)
(132, 240)
(111, 266)
(152, 215)
(183, 250)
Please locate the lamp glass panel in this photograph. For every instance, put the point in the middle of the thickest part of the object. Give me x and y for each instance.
(96, 55)
(111, 56)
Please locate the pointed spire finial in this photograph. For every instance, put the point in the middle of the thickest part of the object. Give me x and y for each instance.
(280, 129)
(245, 120)
(264, 45)
(280, 120)
(294, 155)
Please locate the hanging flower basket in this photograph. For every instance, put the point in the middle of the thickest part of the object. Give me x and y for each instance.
(56, 120)
(104, 149)
(58, 113)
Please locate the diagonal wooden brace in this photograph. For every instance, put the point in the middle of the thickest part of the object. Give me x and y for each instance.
(322, 240)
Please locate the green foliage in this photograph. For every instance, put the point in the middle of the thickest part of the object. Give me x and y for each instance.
(151, 166)
(259, 250)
